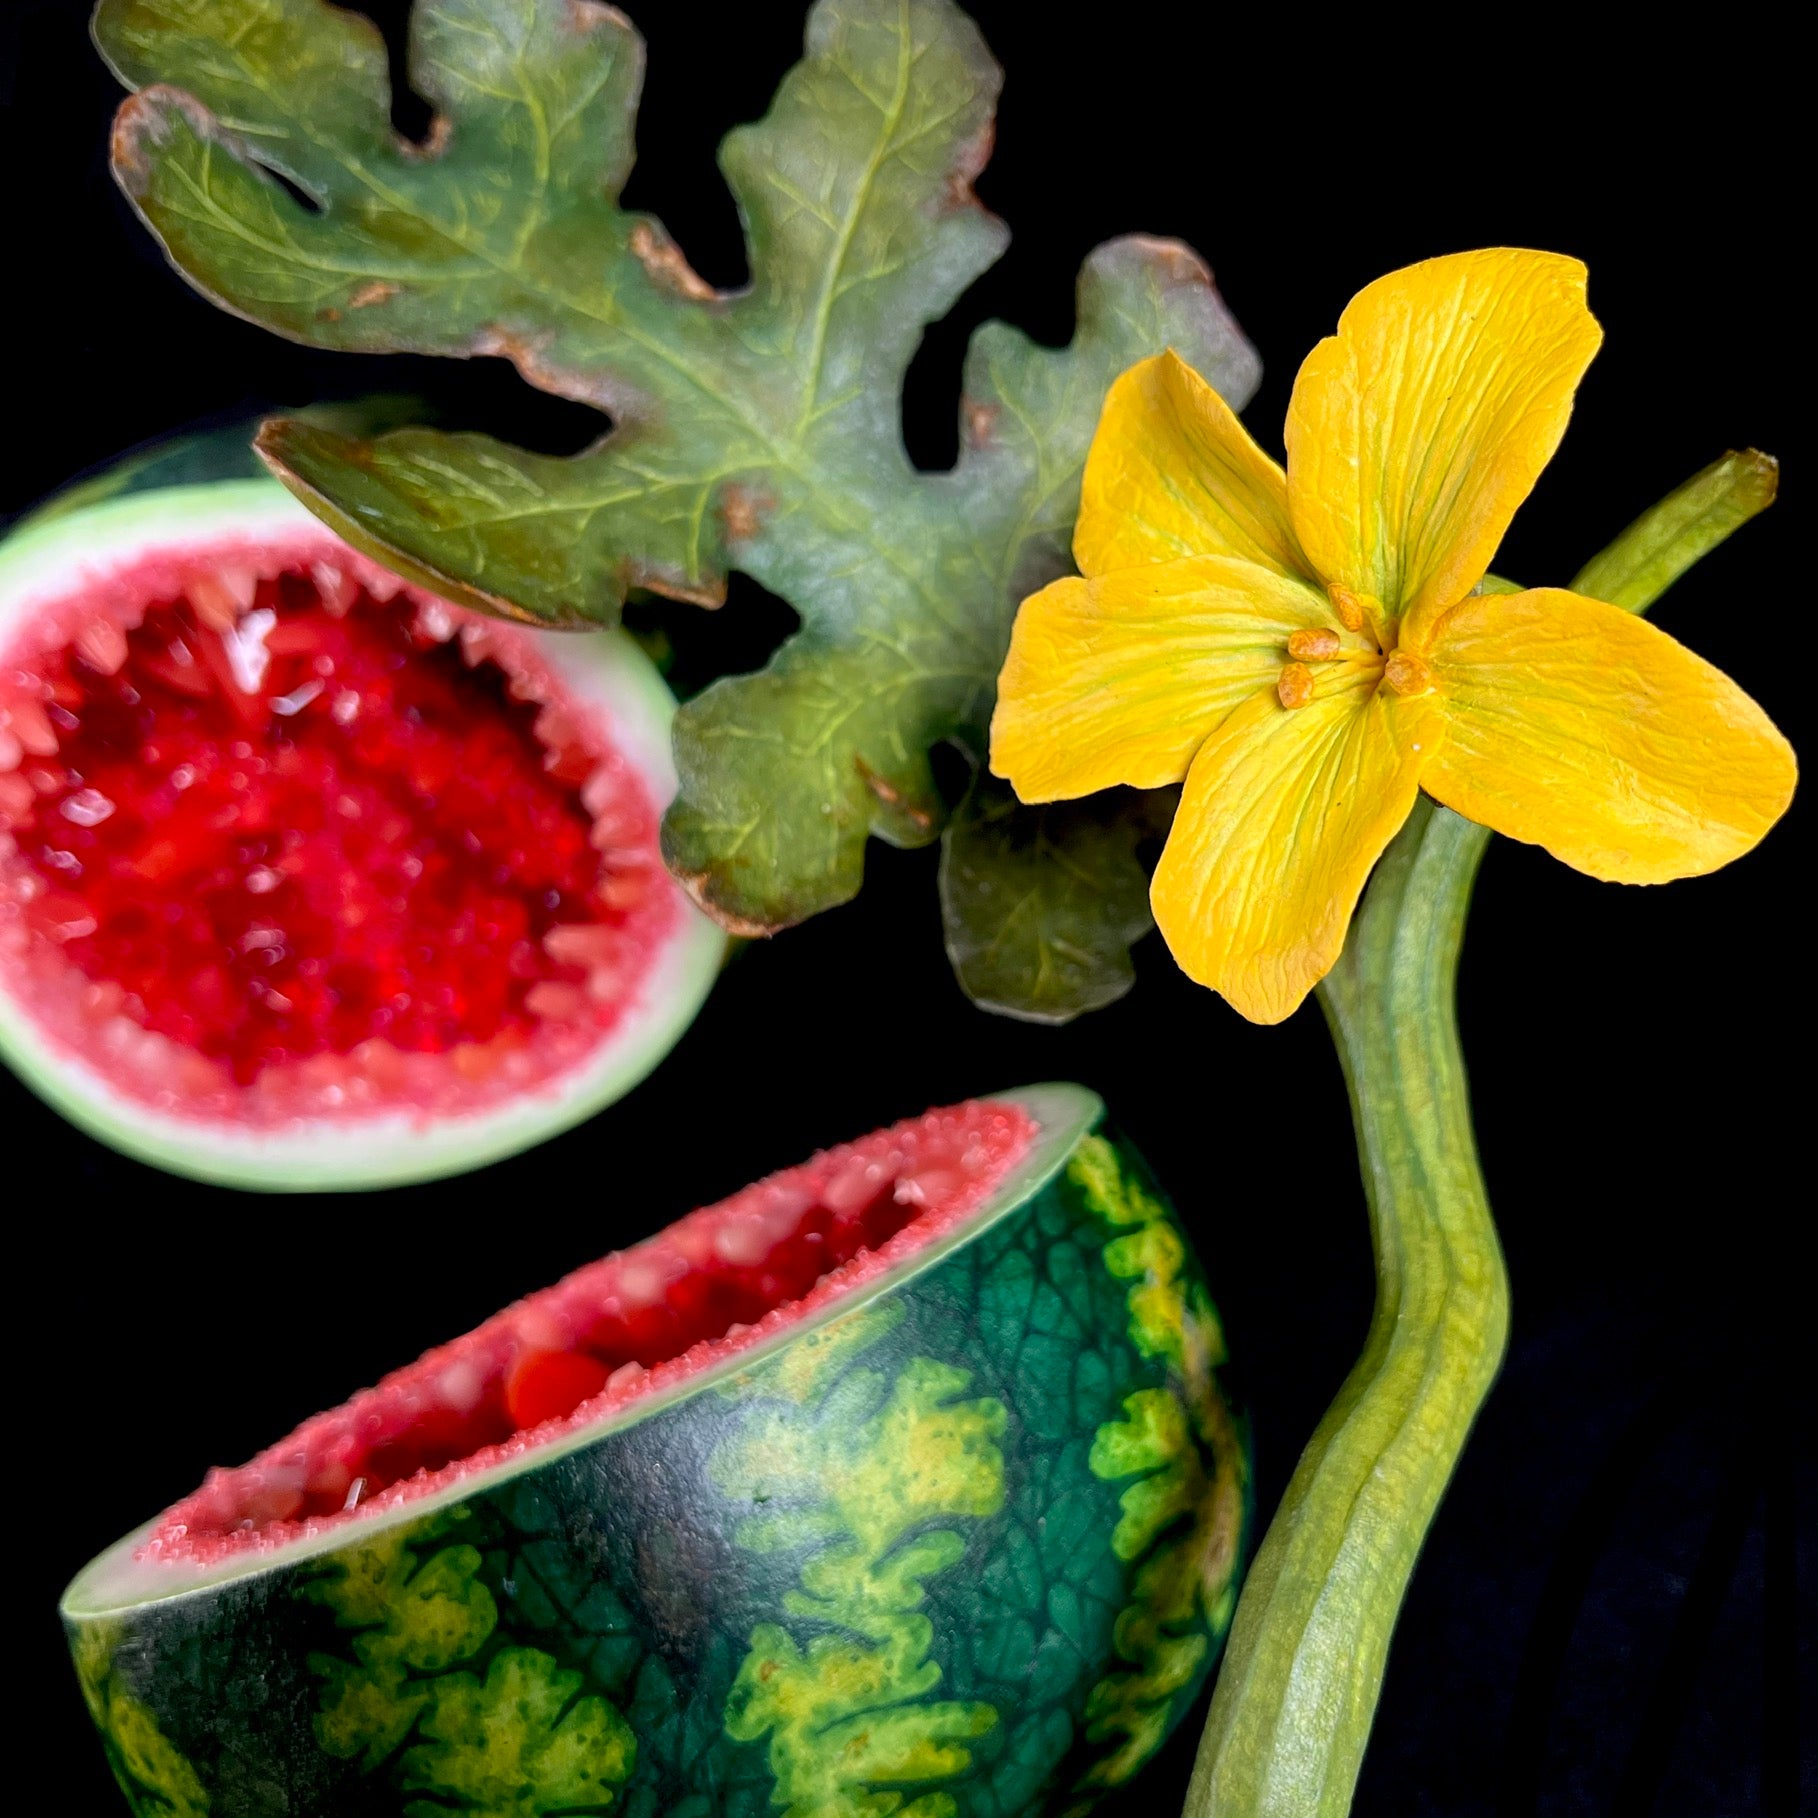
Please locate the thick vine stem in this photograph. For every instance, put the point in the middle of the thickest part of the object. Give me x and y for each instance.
(1299, 1685)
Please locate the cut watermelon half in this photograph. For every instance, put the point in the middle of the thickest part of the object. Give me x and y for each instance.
(905, 1477)
(309, 879)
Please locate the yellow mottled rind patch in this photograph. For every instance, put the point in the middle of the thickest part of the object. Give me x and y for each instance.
(506, 1731)
(1183, 1517)
(798, 1373)
(156, 1778)
(861, 1468)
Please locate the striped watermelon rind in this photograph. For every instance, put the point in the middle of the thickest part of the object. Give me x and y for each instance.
(965, 1546)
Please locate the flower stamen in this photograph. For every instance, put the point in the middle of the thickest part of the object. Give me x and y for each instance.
(1314, 644)
(1294, 686)
(1407, 674)
(1352, 608)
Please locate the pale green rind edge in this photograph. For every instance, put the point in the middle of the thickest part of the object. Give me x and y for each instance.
(115, 1582)
(606, 667)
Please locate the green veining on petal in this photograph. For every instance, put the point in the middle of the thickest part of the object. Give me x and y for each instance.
(858, 1467)
(1182, 1517)
(435, 1698)
(156, 1778)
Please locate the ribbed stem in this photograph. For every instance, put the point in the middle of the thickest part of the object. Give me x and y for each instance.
(1298, 1687)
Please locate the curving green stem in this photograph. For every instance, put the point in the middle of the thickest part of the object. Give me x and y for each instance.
(1291, 1714)
(1295, 1697)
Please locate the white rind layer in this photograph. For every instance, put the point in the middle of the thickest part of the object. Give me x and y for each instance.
(117, 1581)
(606, 670)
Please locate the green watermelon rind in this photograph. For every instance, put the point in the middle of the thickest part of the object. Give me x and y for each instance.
(210, 455)
(869, 1557)
(41, 559)
(1185, 1589)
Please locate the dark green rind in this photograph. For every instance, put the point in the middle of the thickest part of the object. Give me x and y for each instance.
(203, 457)
(966, 1551)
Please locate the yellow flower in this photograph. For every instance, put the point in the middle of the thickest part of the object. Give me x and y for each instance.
(1306, 649)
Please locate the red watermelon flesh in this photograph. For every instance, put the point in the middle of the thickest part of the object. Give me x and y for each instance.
(306, 876)
(639, 1322)
(310, 840)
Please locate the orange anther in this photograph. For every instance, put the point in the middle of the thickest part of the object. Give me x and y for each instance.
(1349, 606)
(1313, 644)
(1294, 686)
(1407, 674)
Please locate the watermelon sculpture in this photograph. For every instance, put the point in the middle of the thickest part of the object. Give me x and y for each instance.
(901, 1482)
(308, 878)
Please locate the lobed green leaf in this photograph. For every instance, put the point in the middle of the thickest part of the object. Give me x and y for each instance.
(756, 430)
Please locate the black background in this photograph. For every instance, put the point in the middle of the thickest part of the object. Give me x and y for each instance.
(1607, 1618)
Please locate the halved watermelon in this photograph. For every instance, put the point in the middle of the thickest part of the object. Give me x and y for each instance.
(902, 1481)
(307, 878)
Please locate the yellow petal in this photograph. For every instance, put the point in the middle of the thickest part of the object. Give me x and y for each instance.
(1283, 815)
(1173, 473)
(1417, 430)
(1117, 680)
(1578, 727)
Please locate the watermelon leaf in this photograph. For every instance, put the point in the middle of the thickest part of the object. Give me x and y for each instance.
(1042, 904)
(757, 429)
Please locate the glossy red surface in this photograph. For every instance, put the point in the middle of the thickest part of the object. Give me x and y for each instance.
(304, 830)
(779, 1254)
(336, 842)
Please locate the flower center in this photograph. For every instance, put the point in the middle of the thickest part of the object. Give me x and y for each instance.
(1295, 685)
(1399, 670)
